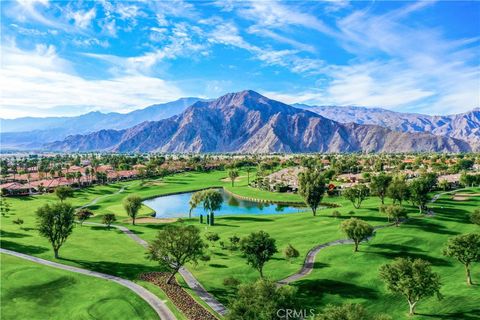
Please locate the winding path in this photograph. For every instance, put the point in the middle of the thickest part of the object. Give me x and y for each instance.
(309, 263)
(155, 302)
(189, 278)
(94, 201)
(307, 266)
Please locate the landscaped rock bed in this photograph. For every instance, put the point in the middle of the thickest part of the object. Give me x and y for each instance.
(182, 300)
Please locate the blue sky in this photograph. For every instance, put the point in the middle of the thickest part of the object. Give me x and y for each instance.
(68, 58)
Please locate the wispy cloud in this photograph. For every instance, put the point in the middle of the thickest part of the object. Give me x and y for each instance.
(51, 81)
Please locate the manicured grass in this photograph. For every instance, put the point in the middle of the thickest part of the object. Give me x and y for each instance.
(89, 247)
(339, 276)
(343, 276)
(33, 291)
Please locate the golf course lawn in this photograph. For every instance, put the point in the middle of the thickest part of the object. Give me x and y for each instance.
(339, 275)
(33, 291)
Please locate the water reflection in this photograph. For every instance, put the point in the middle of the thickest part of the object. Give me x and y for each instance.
(177, 206)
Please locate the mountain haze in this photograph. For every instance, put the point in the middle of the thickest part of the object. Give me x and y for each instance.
(249, 122)
(33, 132)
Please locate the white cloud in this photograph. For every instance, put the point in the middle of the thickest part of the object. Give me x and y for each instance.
(82, 18)
(50, 82)
(182, 40)
(263, 32)
(273, 14)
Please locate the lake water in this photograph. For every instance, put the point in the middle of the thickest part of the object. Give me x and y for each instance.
(175, 206)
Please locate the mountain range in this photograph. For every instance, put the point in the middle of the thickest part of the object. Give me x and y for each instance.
(464, 126)
(249, 122)
(33, 133)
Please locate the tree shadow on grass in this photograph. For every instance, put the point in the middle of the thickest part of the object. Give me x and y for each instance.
(430, 226)
(453, 214)
(129, 271)
(399, 253)
(217, 265)
(8, 234)
(319, 265)
(395, 247)
(226, 225)
(245, 218)
(25, 198)
(44, 293)
(23, 248)
(220, 254)
(310, 291)
(155, 226)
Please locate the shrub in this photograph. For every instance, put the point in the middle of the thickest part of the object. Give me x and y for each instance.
(212, 237)
(234, 241)
(290, 252)
(336, 214)
(108, 219)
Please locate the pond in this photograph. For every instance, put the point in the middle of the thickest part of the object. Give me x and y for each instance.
(175, 206)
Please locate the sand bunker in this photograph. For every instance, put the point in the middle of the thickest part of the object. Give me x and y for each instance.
(230, 180)
(460, 198)
(467, 194)
(154, 183)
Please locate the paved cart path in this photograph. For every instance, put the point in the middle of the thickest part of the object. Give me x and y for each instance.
(95, 200)
(189, 278)
(155, 302)
(309, 262)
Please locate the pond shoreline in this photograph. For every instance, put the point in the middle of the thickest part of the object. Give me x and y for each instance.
(161, 210)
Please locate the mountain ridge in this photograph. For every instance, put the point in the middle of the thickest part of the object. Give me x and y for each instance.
(246, 121)
(61, 127)
(464, 126)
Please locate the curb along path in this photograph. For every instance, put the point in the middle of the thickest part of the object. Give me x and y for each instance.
(158, 305)
(307, 266)
(189, 278)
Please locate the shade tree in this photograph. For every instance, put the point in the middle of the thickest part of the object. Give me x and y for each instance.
(63, 192)
(356, 194)
(132, 205)
(466, 249)
(419, 189)
(413, 279)
(174, 246)
(356, 230)
(380, 184)
(394, 212)
(311, 187)
(261, 300)
(233, 174)
(258, 248)
(398, 189)
(55, 222)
